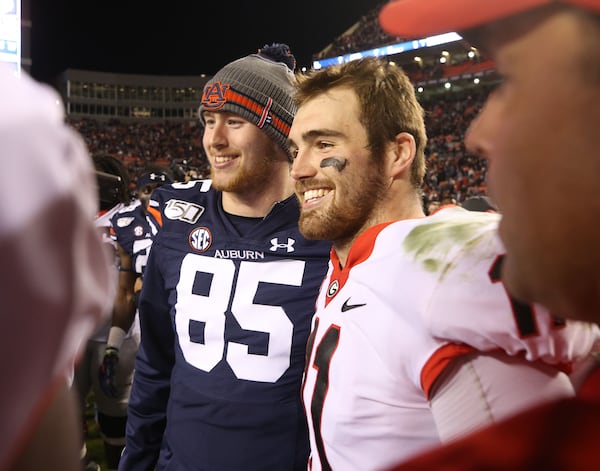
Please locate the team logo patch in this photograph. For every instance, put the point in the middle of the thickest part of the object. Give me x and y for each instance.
(124, 222)
(138, 231)
(333, 288)
(214, 96)
(288, 246)
(200, 239)
(179, 210)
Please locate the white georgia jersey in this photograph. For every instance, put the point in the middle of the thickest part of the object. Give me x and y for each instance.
(413, 295)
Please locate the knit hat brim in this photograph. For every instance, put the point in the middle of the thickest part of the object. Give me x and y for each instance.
(256, 89)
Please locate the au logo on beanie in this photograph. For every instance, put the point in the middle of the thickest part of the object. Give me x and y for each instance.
(258, 88)
(214, 96)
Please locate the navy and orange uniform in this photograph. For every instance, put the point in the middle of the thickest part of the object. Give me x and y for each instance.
(134, 229)
(225, 317)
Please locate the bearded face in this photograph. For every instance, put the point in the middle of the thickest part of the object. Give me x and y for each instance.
(337, 208)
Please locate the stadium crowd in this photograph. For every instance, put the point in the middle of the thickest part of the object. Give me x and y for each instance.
(452, 176)
(365, 34)
(139, 144)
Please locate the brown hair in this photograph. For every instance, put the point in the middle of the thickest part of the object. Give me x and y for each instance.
(388, 104)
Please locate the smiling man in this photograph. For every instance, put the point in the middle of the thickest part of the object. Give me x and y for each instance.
(415, 338)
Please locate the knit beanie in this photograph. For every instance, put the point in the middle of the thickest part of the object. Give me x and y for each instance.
(257, 88)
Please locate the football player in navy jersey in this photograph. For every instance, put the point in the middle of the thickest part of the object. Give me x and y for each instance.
(133, 228)
(229, 292)
(110, 409)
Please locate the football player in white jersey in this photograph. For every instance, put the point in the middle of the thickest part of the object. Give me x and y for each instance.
(56, 277)
(415, 339)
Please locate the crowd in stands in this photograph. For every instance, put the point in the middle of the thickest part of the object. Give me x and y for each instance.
(171, 144)
(452, 176)
(365, 34)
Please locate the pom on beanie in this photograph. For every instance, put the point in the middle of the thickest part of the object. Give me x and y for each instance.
(258, 88)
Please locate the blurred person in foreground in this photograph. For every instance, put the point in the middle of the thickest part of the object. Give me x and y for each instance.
(56, 278)
(539, 132)
(415, 339)
(229, 292)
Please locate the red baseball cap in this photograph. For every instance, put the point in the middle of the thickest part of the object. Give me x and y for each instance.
(411, 19)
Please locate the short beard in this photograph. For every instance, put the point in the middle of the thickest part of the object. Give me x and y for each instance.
(248, 179)
(351, 212)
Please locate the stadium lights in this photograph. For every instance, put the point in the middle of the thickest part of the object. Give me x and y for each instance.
(389, 50)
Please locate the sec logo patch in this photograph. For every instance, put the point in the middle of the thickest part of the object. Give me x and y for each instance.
(200, 239)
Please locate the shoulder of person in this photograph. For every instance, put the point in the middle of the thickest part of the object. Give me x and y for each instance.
(182, 190)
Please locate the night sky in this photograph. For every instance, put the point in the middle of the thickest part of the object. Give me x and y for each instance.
(178, 37)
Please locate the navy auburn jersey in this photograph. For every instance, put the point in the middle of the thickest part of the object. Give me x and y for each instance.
(225, 318)
(134, 229)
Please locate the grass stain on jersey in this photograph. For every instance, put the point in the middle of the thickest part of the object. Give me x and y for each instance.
(435, 244)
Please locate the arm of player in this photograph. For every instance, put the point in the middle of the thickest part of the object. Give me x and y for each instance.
(479, 388)
(519, 352)
(150, 391)
(124, 308)
(122, 320)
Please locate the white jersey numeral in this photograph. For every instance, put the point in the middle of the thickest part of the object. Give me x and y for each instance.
(211, 310)
(141, 251)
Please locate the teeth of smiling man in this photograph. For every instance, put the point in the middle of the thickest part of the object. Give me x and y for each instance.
(313, 194)
(222, 160)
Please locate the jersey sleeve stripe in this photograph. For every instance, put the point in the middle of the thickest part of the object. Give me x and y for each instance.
(438, 362)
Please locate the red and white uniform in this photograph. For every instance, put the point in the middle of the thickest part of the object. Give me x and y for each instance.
(413, 295)
(55, 276)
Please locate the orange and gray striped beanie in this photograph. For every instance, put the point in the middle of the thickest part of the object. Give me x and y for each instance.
(259, 88)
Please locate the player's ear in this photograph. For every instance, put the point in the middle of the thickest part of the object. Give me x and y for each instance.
(401, 153)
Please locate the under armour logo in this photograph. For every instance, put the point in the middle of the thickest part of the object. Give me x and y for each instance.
(276, 245)
(157, 177)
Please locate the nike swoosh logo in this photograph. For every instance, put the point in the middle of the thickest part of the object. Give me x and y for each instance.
(347, 307)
